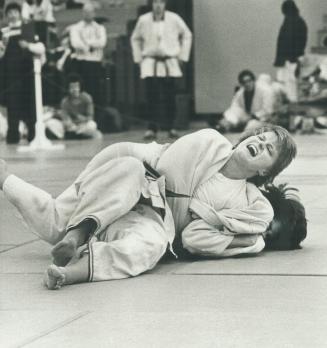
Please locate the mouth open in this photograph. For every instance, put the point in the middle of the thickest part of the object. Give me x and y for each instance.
(252, 149)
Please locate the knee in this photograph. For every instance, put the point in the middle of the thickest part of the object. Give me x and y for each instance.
(134, 166)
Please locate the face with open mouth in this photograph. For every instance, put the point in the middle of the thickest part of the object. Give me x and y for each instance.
(259, 153)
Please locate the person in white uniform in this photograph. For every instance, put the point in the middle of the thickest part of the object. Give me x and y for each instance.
(161, 43)
(116, 221)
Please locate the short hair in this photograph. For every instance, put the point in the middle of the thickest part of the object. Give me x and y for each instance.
(286, 155)
(244, 73)
(289, 214)
(74, 78)
(289, 8)
(13, 6)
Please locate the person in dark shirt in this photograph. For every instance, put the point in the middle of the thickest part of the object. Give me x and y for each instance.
(291, 43)
(17, 75)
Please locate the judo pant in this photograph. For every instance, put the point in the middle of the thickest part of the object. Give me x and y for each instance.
(286, 76)
(130, 238)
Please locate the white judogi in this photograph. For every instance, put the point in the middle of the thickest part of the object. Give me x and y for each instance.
(84, 35)
(131, 237)
(170, 39)
(262, 106)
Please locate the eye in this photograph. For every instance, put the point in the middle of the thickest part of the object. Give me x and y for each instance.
(270, 149)
(262, 137)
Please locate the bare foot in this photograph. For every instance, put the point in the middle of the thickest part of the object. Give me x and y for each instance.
(54, 278)
(63, 252)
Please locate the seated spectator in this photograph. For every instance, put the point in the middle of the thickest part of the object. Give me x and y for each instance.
(38, 10)
(76, 114)
(251, 106)
(311, 108)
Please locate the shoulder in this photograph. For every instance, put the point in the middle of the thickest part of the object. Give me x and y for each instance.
(98, 26)
(86, 97)
(260, 89)
(65, 101)
(174, 17)
(76, 25)
(146, 17)
(239, 93)
(256, 197)
(209, 135)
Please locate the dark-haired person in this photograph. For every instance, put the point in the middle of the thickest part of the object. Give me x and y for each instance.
(289, 226)
(118, 218)
(77, 112)
(291, 43)
(17, 74)
(161, 44)
(251, 106)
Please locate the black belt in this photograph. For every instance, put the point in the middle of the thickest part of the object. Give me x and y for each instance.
(152, 173)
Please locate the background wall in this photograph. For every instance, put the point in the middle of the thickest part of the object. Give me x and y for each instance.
(231, 35)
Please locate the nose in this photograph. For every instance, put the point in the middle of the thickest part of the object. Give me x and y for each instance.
(261, 145)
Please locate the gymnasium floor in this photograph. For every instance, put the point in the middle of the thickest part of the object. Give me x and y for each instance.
(277, 299)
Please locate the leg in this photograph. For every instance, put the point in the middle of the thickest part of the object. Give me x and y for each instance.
(66, 249)
(152, 100)
(132, 245)
(13, 135)
(55, 277)
(170, 102)
(108, 192)
(45, 216)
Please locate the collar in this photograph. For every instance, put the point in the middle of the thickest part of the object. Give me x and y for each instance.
(88, 23)
(162, 18)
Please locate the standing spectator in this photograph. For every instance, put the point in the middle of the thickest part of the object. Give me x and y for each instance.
(88, 39)
(38, 10)
(291, 43)
(161, 43)
(17, 74)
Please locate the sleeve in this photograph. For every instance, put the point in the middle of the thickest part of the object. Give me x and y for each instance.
(47, 9)
(250, 220)
(185, 40)
(137, 41)
(76, 40)
(237, 101)
(89, 110)
(101, 38)
(65, 113)
(203, 239)
(26, 14)
(200, 238)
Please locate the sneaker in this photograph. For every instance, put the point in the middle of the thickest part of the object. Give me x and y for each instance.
(150, 135)
(173, 134)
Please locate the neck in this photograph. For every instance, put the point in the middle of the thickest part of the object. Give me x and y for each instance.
(233, 170)
(158, 16)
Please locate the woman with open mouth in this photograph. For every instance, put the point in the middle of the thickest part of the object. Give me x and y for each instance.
(134, 201)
